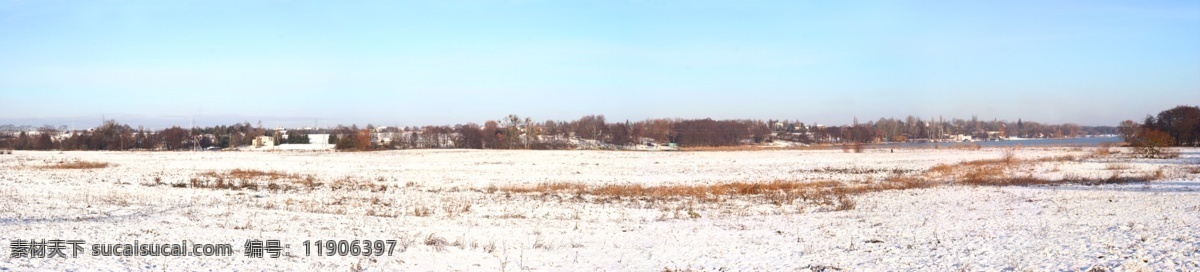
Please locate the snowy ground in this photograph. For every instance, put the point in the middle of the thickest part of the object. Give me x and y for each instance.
(443, 208)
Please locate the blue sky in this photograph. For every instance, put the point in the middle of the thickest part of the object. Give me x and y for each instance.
(444, 62)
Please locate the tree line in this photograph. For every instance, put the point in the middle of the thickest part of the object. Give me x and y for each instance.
(932, 129)
(112, 135)
(515, 132)
(1178, 126)
(592, 131)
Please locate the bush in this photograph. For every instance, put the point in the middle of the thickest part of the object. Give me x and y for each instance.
(1153, 144)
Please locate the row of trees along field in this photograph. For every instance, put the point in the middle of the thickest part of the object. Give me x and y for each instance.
(515, 132)
(933, 129)
(1178, 126)
(112, 135)
(592, 131)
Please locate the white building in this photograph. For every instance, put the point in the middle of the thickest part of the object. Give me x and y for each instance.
(961, 138)
(318, 138)
(264, 141)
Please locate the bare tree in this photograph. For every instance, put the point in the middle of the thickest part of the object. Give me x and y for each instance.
(1128, 129)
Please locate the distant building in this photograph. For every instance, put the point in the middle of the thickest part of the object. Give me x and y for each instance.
(318, 138)
(961, 138)
(264, 141)
(384, 138)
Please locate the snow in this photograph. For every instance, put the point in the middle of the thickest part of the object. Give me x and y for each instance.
(289, 147)
(1148, 225)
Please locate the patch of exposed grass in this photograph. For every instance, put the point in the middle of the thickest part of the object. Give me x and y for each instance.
(351, 183)
(77, 164)
(724, 148)
(857, 170)
(1104, 150)
(1117, 167)
(1062, 158)
(777, 192)
(703, 193)
(248, 174)
(252, 179)
(966, 146)
(422, 211)
(942, 169)
(1002, 172)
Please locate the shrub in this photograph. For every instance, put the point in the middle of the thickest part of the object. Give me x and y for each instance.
(1153, 144)
(438, 243)
(1009, 156)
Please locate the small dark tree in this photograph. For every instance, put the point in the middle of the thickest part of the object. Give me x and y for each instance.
(469, 136)
(43, 142)
(346, 142)
(492, 136)
(619, 134)
(174, 138)
(205, 142)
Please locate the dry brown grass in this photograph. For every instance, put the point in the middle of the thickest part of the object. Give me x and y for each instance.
(755, 148)
(1003, 172)
(256, 174)
(351, 183)
(553, 187)
(77, 164)
(1193, 169)
(723, 148)
(777, 192)
(942, 169)
(1117, 167)
(253, 180)
(422, 211)
(964, 146)
(737, 147)
(1060, 158)
(844, 203)
(983, 172)
(1104, 150)
(852, 147)
(703, 193)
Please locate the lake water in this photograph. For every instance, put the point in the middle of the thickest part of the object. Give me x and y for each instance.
(1032, 142)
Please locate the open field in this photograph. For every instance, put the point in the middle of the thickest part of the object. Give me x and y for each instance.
(484, 210)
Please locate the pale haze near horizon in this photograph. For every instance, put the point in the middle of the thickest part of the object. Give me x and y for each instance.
(408, 63)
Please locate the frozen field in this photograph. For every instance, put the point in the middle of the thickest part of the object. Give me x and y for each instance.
(457, 210)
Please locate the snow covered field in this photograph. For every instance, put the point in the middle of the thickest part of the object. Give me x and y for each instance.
(455, 210)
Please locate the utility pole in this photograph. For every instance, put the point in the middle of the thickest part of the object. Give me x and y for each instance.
(195, 144)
